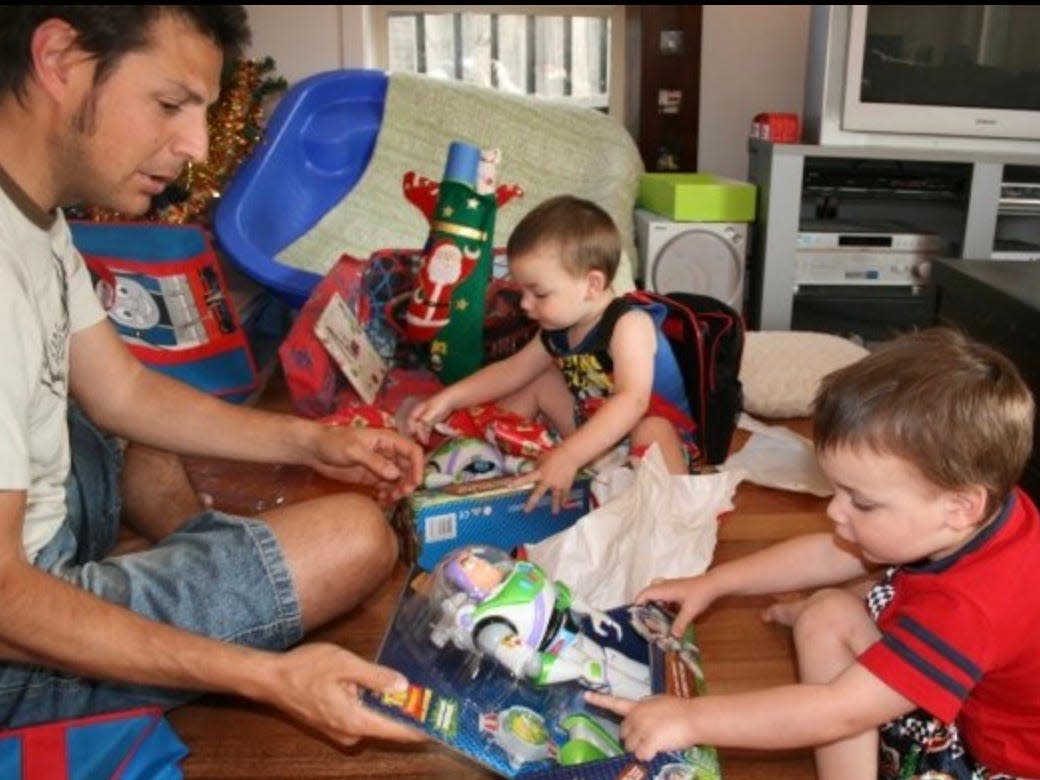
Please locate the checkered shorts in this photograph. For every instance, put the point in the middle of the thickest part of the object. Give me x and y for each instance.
(918, 743)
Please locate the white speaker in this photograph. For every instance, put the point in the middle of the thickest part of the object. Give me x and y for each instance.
(699, 257)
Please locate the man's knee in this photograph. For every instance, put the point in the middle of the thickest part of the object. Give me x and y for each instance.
(343, 529)
(378, 540)
(363, 533)
(339, 549)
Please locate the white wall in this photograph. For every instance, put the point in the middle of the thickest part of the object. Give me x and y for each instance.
(307, 39)
(752, 60)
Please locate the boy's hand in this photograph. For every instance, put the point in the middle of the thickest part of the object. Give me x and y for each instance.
(652, 725)
(426, 414)
(554, 473)
(692, 594)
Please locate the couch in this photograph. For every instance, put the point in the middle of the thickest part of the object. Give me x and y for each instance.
(326, 178)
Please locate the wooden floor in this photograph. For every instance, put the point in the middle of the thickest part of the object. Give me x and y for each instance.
(231, 738)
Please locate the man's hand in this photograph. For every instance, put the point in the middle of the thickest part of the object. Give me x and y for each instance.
(320, 685)
(378, 457)
(653, 725)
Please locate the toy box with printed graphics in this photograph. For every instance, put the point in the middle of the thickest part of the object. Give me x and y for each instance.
(499, 657)
(431, 523)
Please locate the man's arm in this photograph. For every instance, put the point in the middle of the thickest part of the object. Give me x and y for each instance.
(48, 621)
(124, 397)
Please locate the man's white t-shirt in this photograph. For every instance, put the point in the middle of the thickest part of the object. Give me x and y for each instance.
(45, 296)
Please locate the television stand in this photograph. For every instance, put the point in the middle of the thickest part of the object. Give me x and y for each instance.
(955, 195)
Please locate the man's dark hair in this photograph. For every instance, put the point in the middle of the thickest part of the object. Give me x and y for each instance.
(108, 32)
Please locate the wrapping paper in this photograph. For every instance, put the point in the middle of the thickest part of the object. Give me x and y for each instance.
(776, 456)
(661, 525)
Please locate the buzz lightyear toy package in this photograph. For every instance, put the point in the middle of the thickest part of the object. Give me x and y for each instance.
(499, 656)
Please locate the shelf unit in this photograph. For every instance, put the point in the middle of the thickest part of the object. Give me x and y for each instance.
(1018, 215)
(956, 195)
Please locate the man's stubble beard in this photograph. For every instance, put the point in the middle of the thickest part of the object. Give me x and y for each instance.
(86, 182)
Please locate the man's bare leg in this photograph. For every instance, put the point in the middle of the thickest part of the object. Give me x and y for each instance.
(157, 495)
(339, 549)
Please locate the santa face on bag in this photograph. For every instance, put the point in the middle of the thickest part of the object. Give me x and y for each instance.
(430, 307)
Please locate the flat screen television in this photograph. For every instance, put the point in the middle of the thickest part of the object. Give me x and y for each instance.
(944, 76)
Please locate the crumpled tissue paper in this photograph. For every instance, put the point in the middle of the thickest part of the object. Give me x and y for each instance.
(776, 456)
(661, 525)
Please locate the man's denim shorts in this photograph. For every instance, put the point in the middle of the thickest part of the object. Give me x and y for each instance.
(219, 575)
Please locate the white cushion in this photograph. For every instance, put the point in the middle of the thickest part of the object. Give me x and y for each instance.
(781, 370)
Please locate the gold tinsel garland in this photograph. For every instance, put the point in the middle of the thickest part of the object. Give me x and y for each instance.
(235, 127)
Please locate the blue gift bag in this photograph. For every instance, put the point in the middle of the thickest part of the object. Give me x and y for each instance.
(137, 744)
(165, 293)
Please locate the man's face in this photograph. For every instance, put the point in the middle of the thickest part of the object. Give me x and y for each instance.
(133, 134)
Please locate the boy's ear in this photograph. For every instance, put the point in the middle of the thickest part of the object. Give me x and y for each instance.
(597, 282)
(967, 506)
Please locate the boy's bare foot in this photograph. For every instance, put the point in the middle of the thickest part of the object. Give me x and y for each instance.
(784, 612)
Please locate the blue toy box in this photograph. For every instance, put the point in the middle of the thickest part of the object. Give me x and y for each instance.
(517, 728)
(431, 523)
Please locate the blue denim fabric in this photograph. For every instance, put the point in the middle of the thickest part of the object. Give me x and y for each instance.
(219, 575)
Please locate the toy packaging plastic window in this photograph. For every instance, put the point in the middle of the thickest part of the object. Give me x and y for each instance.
(499, 658)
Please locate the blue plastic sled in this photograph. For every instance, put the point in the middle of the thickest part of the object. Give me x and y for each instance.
(315, 148)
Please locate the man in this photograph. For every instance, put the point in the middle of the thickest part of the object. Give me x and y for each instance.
(105, 105)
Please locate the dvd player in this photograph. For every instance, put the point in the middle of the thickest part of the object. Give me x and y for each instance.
(832, 252)
(880, 236)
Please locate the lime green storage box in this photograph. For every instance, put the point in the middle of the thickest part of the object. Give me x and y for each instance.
(697, 197)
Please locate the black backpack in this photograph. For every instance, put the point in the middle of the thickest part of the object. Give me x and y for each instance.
(707, 337)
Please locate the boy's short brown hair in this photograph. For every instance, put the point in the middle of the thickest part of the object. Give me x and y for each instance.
(587, 237)
(957, 409)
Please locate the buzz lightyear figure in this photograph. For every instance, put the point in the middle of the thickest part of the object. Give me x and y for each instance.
(510, 610)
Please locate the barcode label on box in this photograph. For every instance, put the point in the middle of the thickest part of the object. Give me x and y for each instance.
(440, 528)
